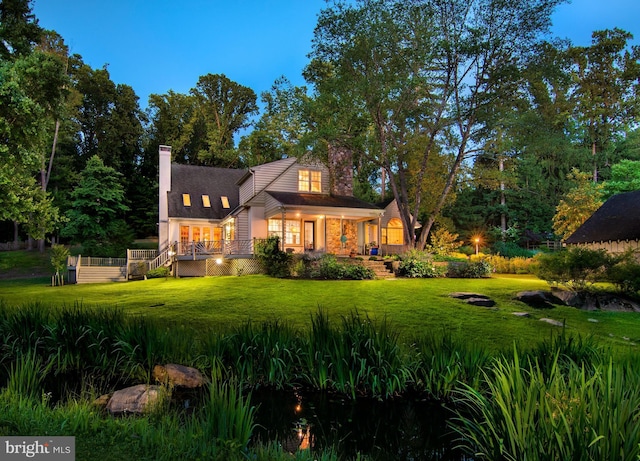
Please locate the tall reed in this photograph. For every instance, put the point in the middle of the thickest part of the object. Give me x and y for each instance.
(569, 412)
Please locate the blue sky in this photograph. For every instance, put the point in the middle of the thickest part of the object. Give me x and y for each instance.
(160, 45)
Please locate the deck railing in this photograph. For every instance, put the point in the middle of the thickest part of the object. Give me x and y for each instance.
(215, 247)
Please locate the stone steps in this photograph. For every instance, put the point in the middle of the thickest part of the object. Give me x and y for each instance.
(379, 268)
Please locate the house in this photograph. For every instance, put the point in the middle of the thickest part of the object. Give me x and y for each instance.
(615, 226)
(211, 218)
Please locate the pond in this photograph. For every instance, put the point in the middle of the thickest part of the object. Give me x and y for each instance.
(399, 429)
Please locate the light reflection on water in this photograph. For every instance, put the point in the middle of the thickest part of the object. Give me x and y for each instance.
(401, 429)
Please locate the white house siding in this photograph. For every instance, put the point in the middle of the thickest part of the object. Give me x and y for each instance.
(258, 225)
(266, 174)
(288, 181)
(246, 190)
(271, 206)
(617, 246)
(242, 226)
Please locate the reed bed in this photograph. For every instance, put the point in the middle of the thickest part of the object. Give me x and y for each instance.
(566, 398)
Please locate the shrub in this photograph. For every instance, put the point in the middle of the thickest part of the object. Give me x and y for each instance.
(414, 268)
(158, 272)
(626, 277)
(327, 267)
(469, 270)
(576, 268)
(517, 265)
(511, 250)
(274, 261)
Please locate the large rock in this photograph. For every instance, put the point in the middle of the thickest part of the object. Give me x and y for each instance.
(137, 400)
(475, 299)
(588, 301)
(538, 299)
(178, 376)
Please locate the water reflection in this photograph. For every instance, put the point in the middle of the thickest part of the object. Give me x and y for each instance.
(393, 430)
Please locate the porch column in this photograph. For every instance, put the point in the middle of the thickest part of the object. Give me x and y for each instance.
(284, 221)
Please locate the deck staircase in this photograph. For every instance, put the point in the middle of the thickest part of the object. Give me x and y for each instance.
(379, 267)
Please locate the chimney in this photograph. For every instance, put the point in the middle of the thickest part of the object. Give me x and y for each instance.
(340, 170)
(164, 186)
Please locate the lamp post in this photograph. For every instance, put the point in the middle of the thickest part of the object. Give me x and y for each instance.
(477, 240)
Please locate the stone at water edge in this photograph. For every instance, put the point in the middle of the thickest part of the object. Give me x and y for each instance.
(136, 400)
(178, 376)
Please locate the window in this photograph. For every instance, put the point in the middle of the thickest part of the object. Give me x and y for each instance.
(225, 201)
(394, 234)
(186, 199)
(309, 181)
(206, 202)
(206, 234)
(291, 231)
(184, 234)
(196, 234)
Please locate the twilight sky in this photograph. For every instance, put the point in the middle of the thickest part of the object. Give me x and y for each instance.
(160, 45)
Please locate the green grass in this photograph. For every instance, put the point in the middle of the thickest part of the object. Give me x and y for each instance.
(413, 306)
(19, 264)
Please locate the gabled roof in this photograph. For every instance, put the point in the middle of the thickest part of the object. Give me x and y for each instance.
(320, 200)
(203, 180)
(617, 219)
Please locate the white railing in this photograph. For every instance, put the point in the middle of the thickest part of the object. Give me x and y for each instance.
(104, 262)
(141, 255)
(161, 259)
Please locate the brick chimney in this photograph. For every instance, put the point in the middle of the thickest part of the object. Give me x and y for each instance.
(340, 170)
(164, 186)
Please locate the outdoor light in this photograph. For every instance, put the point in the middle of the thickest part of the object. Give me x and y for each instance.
(219, 261)
(477, 240)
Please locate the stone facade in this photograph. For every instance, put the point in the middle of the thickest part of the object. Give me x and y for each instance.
(336, 229)
(341, 170)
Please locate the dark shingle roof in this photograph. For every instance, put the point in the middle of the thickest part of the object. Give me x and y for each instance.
(202, 180)
(617, 219)
(320, 200)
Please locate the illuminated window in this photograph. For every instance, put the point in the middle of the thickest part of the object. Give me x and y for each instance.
(206, 234)
(184, 234)
(196, 234)
(393, 233)
(206, 202)
(291, 230)
(309, 181)
(225, 201)
(186, 199)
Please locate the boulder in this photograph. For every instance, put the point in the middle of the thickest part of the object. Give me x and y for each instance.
(178, 376)
(522, 314)
(137, 399)
(482, 302)
(466, 295)
(538, 299)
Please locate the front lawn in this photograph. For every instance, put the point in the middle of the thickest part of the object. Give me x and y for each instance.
(413, 306)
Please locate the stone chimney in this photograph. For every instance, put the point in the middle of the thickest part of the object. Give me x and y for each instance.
(340, 170)
(164, 186)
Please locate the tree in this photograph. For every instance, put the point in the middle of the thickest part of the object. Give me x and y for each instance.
(19, 29)
(223, 108)
(425, 68)
(625, 177)
(96, 219)
(578, 204)
(608, 84)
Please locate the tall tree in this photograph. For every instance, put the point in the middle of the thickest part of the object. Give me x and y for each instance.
(96, 219)
(578, 204)
(429, 68)
(223, 108)
(608, 85)
(19, 29)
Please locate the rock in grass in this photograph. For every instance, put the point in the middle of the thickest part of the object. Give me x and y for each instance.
(135, 400)
(466, 295)
(552, 322)
(482, 302)
(178, 376)
(522, 314)
(538, 299)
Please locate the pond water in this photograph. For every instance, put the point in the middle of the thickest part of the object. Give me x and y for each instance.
(403, 429)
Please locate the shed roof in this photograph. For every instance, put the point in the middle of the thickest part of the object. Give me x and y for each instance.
(617, 219)
(203, 180)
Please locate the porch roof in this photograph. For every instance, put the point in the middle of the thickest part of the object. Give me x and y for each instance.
(321, 200)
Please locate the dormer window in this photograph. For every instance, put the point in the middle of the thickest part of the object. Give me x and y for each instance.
(309, 181)
(206, 202)
(225, 201)
(186, 199)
